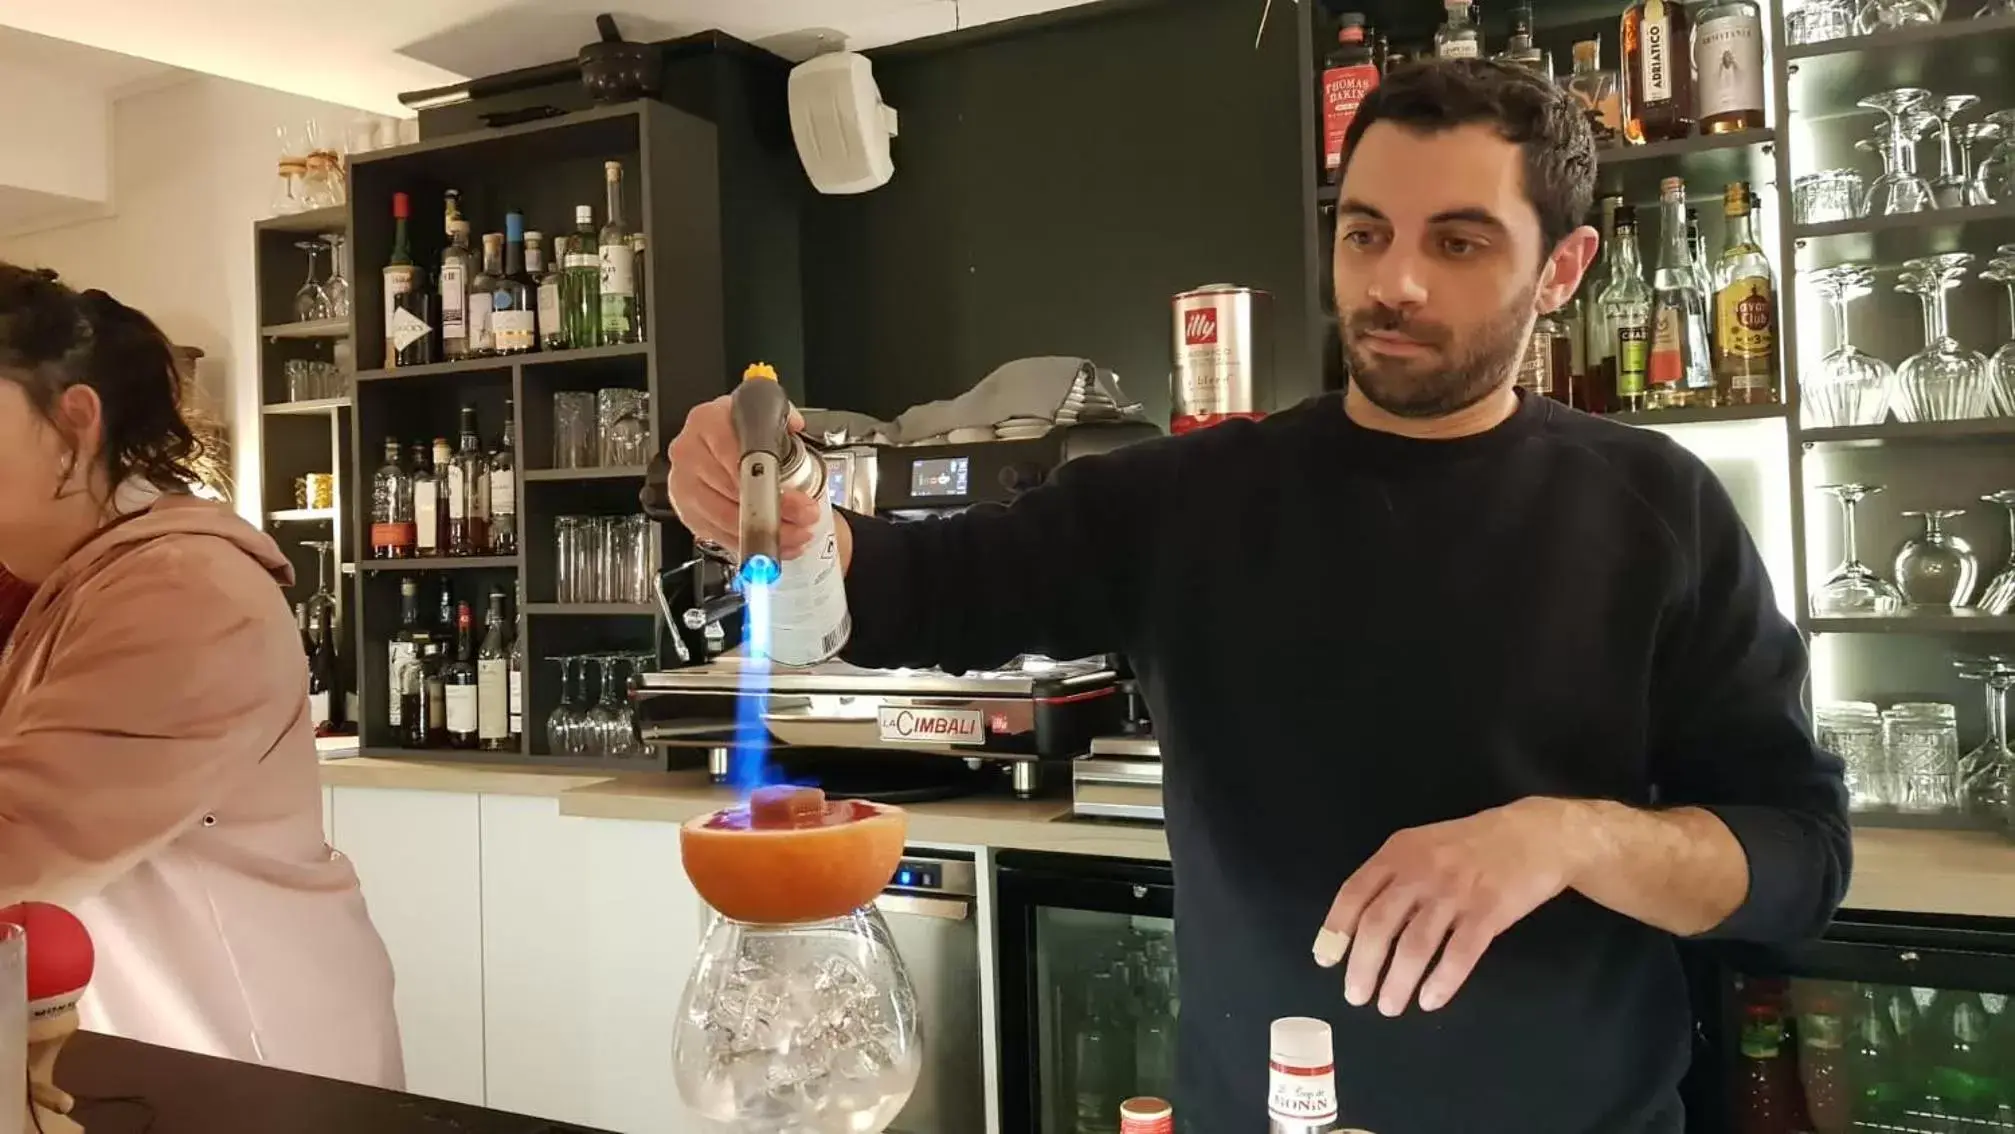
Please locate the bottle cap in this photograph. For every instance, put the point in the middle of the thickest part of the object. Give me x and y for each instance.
(1350, 20)
(760, 370)
(401, 206)
(514, 226)
(1301, 1041)
(1146, 1115)
(584, 214)
(1672, 186)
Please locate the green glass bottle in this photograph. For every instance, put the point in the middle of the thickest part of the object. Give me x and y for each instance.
(581, 291)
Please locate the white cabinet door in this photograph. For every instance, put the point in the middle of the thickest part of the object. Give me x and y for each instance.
(535, 949)
(417, 854)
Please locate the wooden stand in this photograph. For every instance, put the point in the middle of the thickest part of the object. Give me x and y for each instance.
(49, 1105)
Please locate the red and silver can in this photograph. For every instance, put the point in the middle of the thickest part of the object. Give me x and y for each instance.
(1223, 355)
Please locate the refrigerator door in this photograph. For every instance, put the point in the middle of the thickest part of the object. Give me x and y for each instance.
(1086, 963)
(1898, 1024)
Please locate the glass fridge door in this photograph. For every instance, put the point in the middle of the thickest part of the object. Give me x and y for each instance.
(1087, 992)
(1893, 1027)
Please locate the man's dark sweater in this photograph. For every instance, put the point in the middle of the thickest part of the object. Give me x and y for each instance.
(1343, 633)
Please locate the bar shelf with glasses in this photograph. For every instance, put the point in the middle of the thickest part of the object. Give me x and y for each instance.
(1829, 68)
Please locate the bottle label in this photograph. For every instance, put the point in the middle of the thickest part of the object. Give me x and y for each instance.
(808, 609)
(399, 658)
(516, 686)
(1745, 320)
(1301, 1094)
(503, 494)
(516, 328)
(318, 708)
(398, 281)
(461, 709)
(1535, 370)
(458, 495)
(437, 713)
(1633, 349)
(1655, 60)
(389, 536)
(482, 333)
(1823, 1031)
(581, 261)
(1343, 91)
(405, 329)
(549, 308)
(1458, 49)
(1728, 64)
(426, 518)
(619, 270)
(1668, 347)
(492, 704)
(454, 303)
(1762, 1039)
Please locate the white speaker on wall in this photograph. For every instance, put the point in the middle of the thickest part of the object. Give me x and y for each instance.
(840, 124)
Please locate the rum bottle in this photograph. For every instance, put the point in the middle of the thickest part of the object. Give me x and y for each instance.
(458, 266)
(1348, 74)
(1626, 307)
(1745, 308)
(1728, 66)
(1657, 72)
(1680, 372)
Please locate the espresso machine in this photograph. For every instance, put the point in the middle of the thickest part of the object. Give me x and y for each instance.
(894, 735)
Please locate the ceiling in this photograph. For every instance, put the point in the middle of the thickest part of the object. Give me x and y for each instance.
(363, 53)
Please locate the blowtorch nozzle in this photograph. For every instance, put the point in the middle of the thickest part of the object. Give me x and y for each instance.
(761, 413)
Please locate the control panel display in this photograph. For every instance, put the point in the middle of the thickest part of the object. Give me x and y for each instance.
(914, 875)
(939, 477)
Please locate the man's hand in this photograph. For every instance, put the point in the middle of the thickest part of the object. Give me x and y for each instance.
(1450, 887)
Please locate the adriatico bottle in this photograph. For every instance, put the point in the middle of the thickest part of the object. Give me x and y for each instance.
(807, 614)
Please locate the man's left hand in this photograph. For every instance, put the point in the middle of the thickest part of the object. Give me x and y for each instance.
(1450, 887)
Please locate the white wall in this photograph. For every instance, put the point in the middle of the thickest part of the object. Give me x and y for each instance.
(192, 168)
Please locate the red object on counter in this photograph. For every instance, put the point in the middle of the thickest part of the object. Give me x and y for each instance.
(60, 956)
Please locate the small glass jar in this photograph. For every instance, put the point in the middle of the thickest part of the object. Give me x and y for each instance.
(1921, 739)
(1852, 730)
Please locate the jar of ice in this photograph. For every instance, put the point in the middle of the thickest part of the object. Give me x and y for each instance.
(799, 1017)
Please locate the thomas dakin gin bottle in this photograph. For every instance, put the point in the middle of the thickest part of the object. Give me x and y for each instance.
(1657, 72)
(1301, 1078)
(1347, 76)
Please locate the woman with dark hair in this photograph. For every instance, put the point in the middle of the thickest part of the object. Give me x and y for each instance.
(157, 762)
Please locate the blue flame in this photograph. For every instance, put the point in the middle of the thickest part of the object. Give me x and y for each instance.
(761, 571)
(749, 766)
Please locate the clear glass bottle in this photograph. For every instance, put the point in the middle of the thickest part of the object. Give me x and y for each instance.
(1626, 306)
(468, 511)
(1595, 89)
(1680, 372)
(483, 297)
(1745, 308)
(539, 269)
(619, 266)
(581, 288)
(493, 705)
(512, 318)
(429, 481)
(458, 267)
(1459, 37)
(1703, 274)
(392, 528)
(1728, 65)
(1520, 51)
(502, 482)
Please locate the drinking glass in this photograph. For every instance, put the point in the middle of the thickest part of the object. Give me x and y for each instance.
(1995, 175)
(1983, 772)
(1899, 189)
(563, 724)
(1819, 21)
(1934, 567)
(2001, 367)
(1999, 597)
(575, 445)
(1953, 188)
(1853, 590)
(624, 425)
(322, 185)
(337, 286)
(1852, 730)
(1887, 15)
(293, 167)
(1944, 381)
(573, 562)
(1849, 386)
(1922, 739)
(632, 572)
(13, 1028)
(1827, 196)
(601, 546)
(311, 301)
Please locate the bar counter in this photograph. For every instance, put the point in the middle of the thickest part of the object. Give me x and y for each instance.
(1913, 871)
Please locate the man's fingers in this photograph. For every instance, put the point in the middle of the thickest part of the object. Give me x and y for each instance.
(1465, 948)
(1423, 937)
(1372, 942)
(1332, 941)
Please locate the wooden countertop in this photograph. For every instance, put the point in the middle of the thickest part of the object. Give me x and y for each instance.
(1913, 871)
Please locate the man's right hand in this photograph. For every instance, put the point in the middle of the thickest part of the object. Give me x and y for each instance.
(705, 482)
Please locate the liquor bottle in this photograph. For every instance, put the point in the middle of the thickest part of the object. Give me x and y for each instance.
(1459, 38)
(582, 291)
(1520, 51)
(1703, 275)
(493, 687)
(514, 675)
(642, 283)
(1657, 72)
(483, 297)
(1728, 66)
(1877, 1063)
(512, 317)
(1961, 1084)
(428, 727)
(1543, 371)
(1822, 1067)
(1595, 89)
(409, 308)
(552, 304)
(458, 679)
(1767, 1097)
(1598, 385)
(429, 482)
(501, 478)
(619, 266)
(1745, 308)
(467, 533)
(1680, 372)
(1626, 307)
(402, 656)
(1348, 74)
(325, 681)
(393, 531)
(1301, 1088)
(458, 266)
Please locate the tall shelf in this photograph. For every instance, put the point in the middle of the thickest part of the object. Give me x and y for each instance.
(1812, 124)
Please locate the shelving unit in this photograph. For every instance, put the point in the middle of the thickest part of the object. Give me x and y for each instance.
(719, 251)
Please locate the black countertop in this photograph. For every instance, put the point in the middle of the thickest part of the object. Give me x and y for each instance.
(124, 1087)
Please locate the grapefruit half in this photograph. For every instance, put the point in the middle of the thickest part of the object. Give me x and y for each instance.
(792, 856)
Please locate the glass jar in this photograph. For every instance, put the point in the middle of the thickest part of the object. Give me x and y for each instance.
(1921, 740)
(1852, 730)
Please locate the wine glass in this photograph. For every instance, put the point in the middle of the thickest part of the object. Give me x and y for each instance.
(1934, 567)
(563, 724)
(2001, 367)
(293, 168)
(1995, 175)
(1849, 386)
(1983, 772)
(1887, 15)
(608, 722)
(311, 302)
(323, 601)
(1999, 597)
(1853, 590)
(1992, 8)
(337, 286)
(1899, 189)
(1954, 187)
(1944, 381)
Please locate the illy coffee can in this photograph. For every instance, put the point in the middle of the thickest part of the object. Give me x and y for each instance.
(1223, 355)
